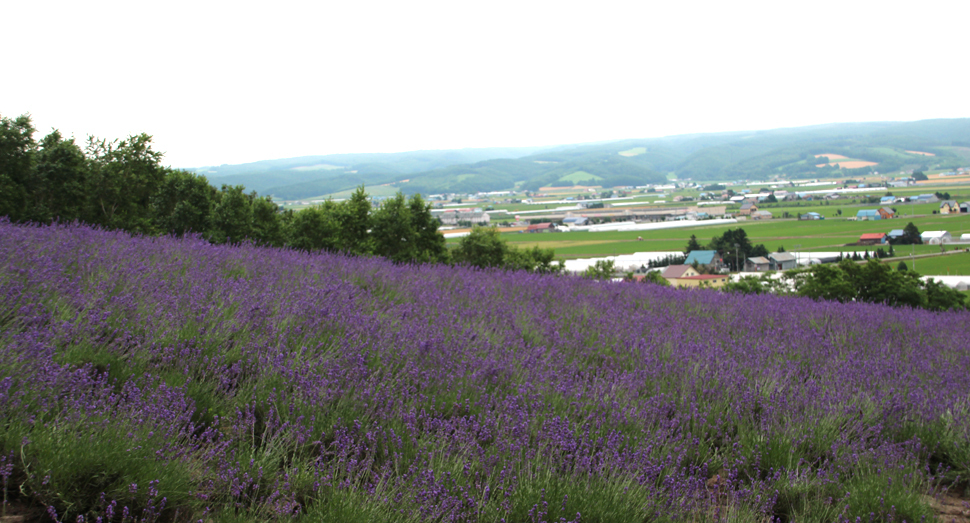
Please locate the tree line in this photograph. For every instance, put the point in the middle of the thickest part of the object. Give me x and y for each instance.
(122, 184)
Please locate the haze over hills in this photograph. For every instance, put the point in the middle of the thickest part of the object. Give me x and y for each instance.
(855, 148)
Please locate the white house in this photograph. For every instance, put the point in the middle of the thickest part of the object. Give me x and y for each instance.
(936, 237)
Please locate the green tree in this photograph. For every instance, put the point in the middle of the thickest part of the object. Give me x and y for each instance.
(393, 231)
(910, 235)
(430, 245)
(232, 217)
(655, 278)
(601, 270)
(17, 148)
(354, 216)
(902, 267)
(60, 175)
(267, 226)
(315, 228)
(693, 245)
(122, 177)
(482, 247)
(536, 260)
(183, 203)
(919, 176)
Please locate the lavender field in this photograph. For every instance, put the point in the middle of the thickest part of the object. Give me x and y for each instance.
(155, 379)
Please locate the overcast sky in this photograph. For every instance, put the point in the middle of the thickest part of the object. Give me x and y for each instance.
(233, 82)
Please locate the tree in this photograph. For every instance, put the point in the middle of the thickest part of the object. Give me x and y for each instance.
(17, 148)
(655, 278)
(902, 267)
(693, 245)
(232, 217)
(430, 245)
(392, 230)
(183, 203)
(601, 270)
(122, 177)
(315, 228)
(60, 175)
(910, 235)
(919, 176)
(354, 217)
(482, 248)
(267, 227)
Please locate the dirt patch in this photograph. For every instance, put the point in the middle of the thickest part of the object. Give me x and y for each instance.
(921, 152)
(832, 157)
(949, 508)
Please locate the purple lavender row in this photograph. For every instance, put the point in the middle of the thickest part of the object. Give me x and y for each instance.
(155, 378)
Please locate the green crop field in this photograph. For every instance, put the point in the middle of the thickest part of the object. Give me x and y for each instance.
(951, 264)
(579, 177)
(822, 235)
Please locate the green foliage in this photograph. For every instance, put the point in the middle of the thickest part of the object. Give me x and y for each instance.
(483, 247)
(315, 228)
(733, 256)
(232, 220)
(122, 177)
(601, 270)
(655, 278)
(919, 176)
(183, 203)
(692, 245)
(874, 282)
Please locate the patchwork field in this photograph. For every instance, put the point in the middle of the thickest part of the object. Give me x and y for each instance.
(152, 379)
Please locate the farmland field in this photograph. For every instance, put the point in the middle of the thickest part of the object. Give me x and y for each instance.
(156, 379)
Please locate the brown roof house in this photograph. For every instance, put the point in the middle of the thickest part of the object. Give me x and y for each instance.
(747, 208)
(886, 213)
(674, 272)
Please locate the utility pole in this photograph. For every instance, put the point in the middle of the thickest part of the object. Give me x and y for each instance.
(736, 266)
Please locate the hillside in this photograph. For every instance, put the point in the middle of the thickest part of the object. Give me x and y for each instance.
(885, 147)
(173, 380)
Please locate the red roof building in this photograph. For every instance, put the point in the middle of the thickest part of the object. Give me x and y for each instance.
(872, 238)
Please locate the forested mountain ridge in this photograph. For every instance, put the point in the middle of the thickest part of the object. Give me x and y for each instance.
(748, 155)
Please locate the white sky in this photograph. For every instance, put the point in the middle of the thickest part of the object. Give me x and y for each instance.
(233, 82)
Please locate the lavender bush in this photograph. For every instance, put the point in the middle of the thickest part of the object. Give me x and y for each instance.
(155, 379)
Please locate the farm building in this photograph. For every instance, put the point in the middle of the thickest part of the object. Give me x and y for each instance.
(708, 258)
(926, 198)
(747, 208)
(575, 220)
(965, 207)
(894, 234)
(701, 280)
(811, 216)
(873, 238)
(886, 200)
(868, 214)
(475, 216)
(886, 213)
(737, 199)
(761, 215)
(672, 272)
(949, 207)
(757, 264)
(936, 237)
(541, 227)
(965, 237)
(781, 261)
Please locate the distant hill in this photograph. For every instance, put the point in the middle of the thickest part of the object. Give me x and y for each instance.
(752, 155)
